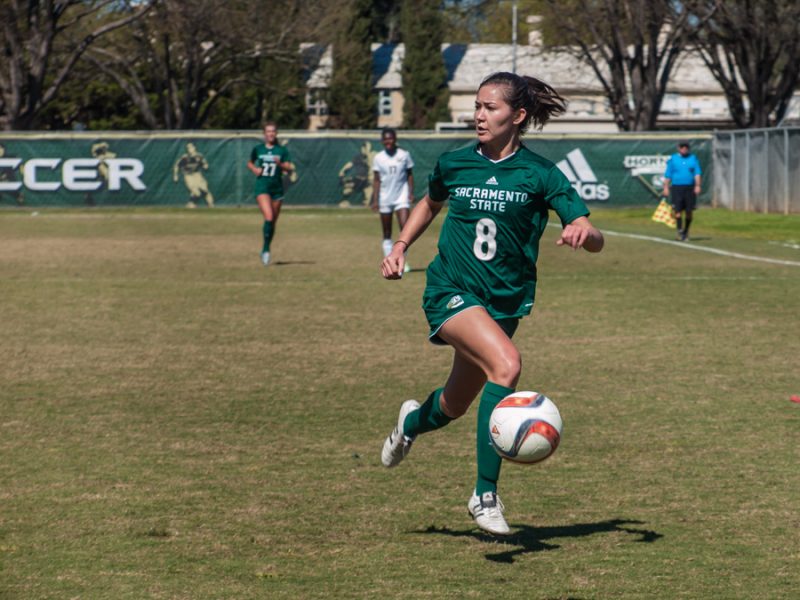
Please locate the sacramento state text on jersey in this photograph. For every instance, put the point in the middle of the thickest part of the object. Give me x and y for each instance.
(489, 199)
(497, 213)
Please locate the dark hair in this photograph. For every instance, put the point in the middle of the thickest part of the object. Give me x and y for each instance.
(539, 100)
(388, 131)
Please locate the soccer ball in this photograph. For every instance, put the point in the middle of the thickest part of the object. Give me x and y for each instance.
(525, 427)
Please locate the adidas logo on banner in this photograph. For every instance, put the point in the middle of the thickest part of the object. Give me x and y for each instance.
(491, 181)
(576, 168)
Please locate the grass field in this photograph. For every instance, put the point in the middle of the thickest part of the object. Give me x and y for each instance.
(177, 421)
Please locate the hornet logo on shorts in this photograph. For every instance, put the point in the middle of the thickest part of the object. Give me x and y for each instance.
(582, 177)
(455, 302)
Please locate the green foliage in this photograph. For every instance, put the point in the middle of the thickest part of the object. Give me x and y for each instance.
(92, 103)
(250, 105)
(385, 26)
(488, 21)
(352, 101)
(424, 75)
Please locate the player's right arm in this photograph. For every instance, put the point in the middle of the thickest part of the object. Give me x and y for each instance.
(421, 216)
(251, 164)
(667, 177)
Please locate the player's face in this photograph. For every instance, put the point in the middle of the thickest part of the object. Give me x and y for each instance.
(389, 142)
(494, 117)
(684, 150)
(270, 134)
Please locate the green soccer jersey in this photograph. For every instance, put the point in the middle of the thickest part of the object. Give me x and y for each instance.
(498, 211)
(263, 157)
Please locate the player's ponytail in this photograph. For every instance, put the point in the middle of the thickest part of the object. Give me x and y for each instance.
(540, 100)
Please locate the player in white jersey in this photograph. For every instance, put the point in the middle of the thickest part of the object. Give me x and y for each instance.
(393, 185)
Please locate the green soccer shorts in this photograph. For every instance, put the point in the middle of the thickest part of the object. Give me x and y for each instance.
(442, 303)
(265, 186)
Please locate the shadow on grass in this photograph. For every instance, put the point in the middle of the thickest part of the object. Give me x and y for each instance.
(531, 539)
(284, 263)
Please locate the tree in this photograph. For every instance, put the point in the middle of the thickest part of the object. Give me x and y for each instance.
(87, 101)
(250, 106)
(753, 50)
(351, 100)
(190, 57)
(487, 21)
(631, 45)
(424, 74)
(43, 41)
(385, 26)
(190, 54)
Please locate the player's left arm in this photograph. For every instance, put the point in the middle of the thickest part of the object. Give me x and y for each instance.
(580, 233)
(698, 179)
(284, 165)
(410, 186)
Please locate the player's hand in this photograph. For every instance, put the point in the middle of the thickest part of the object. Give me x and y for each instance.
(573, 236)
(392, 266)
(373, 206)
(697, 190)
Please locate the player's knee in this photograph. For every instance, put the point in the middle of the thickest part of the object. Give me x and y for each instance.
(506, 367)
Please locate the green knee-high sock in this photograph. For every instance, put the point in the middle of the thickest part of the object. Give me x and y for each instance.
(488, 460)
(427, 417)
(267, 229)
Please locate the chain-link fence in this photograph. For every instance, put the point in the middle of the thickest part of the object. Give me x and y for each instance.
(757, 170)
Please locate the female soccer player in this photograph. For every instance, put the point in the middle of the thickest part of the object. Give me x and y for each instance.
(268, 162)
(392, 186)
(484, 277)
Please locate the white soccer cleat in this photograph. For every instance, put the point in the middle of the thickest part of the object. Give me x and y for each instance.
(487, 510)
(397, 444)
(265, 258)
(387, 248)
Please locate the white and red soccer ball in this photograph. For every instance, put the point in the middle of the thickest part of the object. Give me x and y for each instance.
(525, 427)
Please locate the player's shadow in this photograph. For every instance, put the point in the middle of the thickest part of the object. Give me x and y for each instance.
(285, 263)
(531, 539)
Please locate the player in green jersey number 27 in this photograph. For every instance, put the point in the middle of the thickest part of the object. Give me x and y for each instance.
(268, 162)
(483, 279)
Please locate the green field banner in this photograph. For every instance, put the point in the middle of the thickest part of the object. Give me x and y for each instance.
(332, 169)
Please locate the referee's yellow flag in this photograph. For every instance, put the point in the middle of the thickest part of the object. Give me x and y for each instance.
(664, 214)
